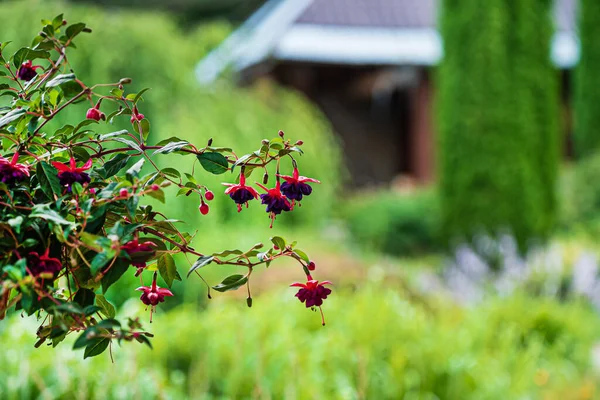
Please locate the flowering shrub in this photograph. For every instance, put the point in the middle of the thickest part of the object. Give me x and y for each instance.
(71, 223)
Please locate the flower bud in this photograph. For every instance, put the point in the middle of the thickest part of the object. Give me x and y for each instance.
(311, 266)
(209, 195)
(265, 142)
(95, 114)
(124, 193)
(299, 143)
(203, 208)
(125, 81)
(155, 187)
(265, 178)
(210, 142)
(249, 301)
(280, 133)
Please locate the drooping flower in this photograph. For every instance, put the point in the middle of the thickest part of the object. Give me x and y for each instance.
(275, 201)
(26, 71)
(39, 264)
(69, 174)
(95, 114)
(136, 116)
(139, 253)
(153, 295)
(11, 171)
(240, 193)
(295, 186)
(312, 293)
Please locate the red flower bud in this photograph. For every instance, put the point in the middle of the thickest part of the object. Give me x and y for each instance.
(123, 193)
(209, 195)
(311, 266)
(203, 208)
(95, 114)
(155, 187)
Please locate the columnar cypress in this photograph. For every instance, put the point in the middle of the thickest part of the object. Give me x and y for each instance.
(497, 119)
(587, 81)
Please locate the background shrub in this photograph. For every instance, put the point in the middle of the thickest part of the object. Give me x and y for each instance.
(497, 115)
(396, 224)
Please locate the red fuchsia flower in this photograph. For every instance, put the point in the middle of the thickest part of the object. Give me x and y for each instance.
(295, 186)
(312, 293)
(26, 71)
(95, 114)
(153, 295)
(275, 201)
(69, 174)
(139, 253)
(240, 193)
(43, 264)
(11, 171)
(136, 116)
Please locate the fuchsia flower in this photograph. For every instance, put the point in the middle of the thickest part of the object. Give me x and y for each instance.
(240, 193)
(95, 114)
(153, 295)
(136, 116)
(275, 201)
(26, 71)
(11, 171)
(43, 264)
(295, 186)
(69, 174)
(312, 293)
(139, 253)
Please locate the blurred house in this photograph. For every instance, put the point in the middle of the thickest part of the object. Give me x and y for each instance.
(368, 65)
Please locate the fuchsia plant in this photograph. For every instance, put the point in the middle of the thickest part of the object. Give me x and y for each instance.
(71, 223)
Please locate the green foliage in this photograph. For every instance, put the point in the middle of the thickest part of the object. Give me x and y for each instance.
(396, 224)
(580, 196)
(587, 81)
(497, 117)
(376, 345)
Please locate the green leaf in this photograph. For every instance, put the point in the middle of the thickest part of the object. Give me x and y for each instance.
(227, 253)
(60, 79)
(11, 116)
(72, 308)
(96, 348)
(145, 125)
(106, 307)
(213, 162)
(168, 269)
(172, 172)
(113, 275)
(232, 282)
(279, 242)
(129, 143)
(24, 54)
(200, 262)
(135, 169)
(74, 30)
(302, 255)
(113, 134)
(100, 261)
(43, 211)
(109, 323)
(157, 194)
(171, 147)
(48, 179)
(84, 297)
(113, 166)
(139, 95)
(88, 336)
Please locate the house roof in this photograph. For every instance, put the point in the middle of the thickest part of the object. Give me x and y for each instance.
(358, 32)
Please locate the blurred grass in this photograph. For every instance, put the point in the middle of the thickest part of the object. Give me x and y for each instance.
(376, 345)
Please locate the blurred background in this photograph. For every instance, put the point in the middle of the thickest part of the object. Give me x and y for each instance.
(458, 145)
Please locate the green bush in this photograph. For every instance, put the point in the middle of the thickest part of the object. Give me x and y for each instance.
(587, 81)
(580, 196)
(395, 224)
(497, 117)
(376, 345)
